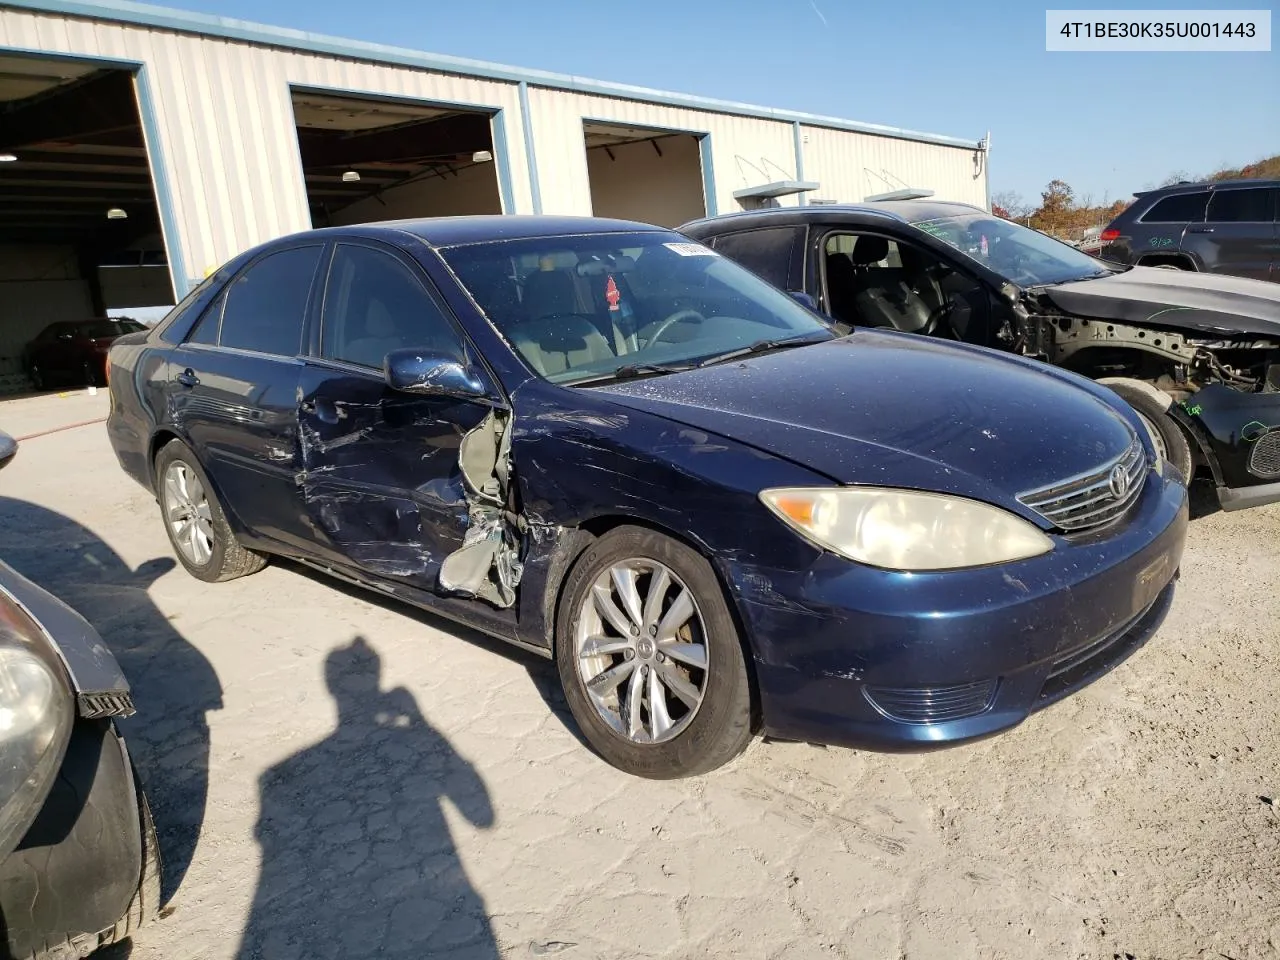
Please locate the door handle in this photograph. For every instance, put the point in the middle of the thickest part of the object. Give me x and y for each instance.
(188, 378)
(1200, 230)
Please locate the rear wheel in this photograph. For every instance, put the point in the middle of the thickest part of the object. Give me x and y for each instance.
(91, 375)
(195, 521)
(1166, 436)
(36, 375)
(650, 659)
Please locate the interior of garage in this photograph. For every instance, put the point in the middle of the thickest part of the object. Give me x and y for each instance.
(367, 159)
(79, 223)
(653, 176)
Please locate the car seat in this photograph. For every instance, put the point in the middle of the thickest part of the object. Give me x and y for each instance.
(556, 344)
(883, 298)
(381, 336)
(550, 293)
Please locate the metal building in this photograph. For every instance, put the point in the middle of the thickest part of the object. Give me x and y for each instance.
(140, 147)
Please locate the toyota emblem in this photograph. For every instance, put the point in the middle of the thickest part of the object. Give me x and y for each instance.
(1119, 481)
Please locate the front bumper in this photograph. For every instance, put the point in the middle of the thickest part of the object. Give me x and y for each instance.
(1239, 433)
(855, 656)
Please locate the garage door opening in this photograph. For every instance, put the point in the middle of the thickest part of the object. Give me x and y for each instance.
(654, 176)
(368, 159)
(79, 223)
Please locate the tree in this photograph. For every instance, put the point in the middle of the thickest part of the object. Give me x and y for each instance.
(1055, 213)
(1010, 205)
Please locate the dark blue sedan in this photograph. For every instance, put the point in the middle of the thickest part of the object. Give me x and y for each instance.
(610, 445)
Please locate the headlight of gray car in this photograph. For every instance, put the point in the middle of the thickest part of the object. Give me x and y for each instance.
(37, 710)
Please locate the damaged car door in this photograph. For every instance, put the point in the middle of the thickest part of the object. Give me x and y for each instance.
(381, 479)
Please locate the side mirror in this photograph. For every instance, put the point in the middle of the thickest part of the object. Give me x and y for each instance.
(8, 447)
(805, 299)
(428, 374)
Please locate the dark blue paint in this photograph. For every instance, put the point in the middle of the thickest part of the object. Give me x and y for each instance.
(374, 488)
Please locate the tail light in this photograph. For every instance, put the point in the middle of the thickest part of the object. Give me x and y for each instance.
(1108, 235)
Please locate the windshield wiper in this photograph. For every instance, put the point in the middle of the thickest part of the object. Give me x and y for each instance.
(632, 371)
(761, 346)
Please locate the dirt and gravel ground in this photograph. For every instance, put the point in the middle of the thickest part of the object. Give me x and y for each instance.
(380, 782)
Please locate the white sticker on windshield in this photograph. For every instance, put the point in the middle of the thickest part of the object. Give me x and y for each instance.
(690, 249)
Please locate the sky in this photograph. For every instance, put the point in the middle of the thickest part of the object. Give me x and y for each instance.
(1107, 123)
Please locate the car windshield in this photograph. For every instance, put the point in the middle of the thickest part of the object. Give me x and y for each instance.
(584, 308)
(1019, 254)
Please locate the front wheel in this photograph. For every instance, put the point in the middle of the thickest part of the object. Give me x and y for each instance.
(650, 658)
(195, 521)
(1166, 436)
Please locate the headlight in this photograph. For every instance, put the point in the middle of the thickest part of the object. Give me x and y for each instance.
(36, 714)
(906, 529)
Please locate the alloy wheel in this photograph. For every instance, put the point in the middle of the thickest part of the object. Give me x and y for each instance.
(1157, 438)
(187, 511)
(641, 650)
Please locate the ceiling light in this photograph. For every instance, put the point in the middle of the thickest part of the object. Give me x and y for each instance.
(350, 177)
(481, 156)
(8, 157)
(115, 213)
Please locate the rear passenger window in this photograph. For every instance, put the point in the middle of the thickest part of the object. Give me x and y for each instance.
(766, 253)
(1240, 206)
(374, 304)
(1180, 208)
(265, 305)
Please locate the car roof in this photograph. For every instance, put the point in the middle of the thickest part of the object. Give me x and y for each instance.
(1198, 185)
(903, 211)
(451, 231)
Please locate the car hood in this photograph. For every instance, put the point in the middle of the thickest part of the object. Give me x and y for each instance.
(1177, 299)
(899, 410)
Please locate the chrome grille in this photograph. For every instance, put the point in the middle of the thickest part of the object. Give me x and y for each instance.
(1264, 460)
(1090, 500)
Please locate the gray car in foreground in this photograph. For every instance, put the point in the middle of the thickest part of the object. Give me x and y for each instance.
(79, 863)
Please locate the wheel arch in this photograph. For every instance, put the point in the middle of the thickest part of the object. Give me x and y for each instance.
(592, 529)
(1180, 261)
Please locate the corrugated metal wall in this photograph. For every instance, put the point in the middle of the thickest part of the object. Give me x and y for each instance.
(222, 122)
(853, 166)
(225, 127)
(745, 151)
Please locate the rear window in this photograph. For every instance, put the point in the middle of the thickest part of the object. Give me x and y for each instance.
(1180, 208)
(101, 328)
(766, 253)
(1251, 205)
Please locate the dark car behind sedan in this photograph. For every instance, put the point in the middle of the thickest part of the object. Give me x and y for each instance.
(1230, 227)
(1196, 355)
(620, 450)
(79, 861)
(73, 351)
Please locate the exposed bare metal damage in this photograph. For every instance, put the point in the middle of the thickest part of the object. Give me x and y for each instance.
(487, 565)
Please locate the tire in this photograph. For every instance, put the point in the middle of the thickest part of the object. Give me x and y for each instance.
(37, 378)
(1166, 435)
(145, 905)
(90, 375)
(696, 739)
(223, 558)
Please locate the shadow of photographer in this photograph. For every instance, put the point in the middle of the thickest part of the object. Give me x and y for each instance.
(357, 857)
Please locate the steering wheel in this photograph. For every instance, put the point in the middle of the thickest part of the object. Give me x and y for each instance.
(677, 317)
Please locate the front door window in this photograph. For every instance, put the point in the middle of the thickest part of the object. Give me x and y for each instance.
(871, 280)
